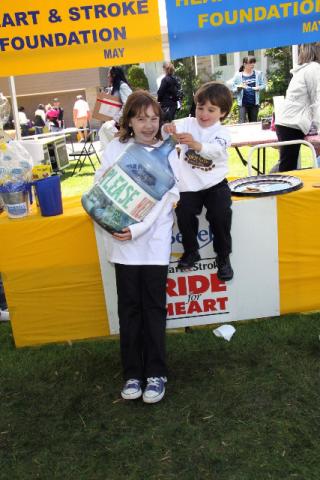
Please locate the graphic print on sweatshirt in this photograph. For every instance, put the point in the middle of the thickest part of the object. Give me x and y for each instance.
(196, 161)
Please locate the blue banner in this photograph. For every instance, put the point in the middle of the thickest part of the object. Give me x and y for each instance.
(204, 27)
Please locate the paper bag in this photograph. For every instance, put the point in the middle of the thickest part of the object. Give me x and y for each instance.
(106, 107)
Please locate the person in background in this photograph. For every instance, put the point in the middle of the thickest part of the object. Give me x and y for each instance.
(247, 84)
(39, 119)
(301, 106)
(52, 118)
(169, 92)
(57, 106)
(23, 121)
(141, 254)
(119, 87)
(81, 116)
(201, 166)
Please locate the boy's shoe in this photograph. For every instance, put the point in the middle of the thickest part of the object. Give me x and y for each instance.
(131, 389)
(187, 260)
(225, 271)
(155, 389)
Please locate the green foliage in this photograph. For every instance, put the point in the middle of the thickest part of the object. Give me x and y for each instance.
(190, 83)
(265, 110)
(137, 78)
(278, 74)
(233, 116)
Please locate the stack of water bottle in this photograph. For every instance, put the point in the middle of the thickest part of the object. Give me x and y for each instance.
(15, 178)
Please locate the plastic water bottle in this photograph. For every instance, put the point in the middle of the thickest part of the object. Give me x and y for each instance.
(127, 192)
(4, 110)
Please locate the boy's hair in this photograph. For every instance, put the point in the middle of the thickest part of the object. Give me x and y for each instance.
(137, 102)
(217, 94)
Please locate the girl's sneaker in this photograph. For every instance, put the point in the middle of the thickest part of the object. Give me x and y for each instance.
(131, 389)
(155, 389)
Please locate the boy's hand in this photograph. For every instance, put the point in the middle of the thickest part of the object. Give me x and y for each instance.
(188, 139)
(124, 236)
(169, 128)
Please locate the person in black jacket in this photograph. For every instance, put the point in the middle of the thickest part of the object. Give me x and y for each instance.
(168, 93)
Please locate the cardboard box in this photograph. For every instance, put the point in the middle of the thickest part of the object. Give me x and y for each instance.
(106, 107)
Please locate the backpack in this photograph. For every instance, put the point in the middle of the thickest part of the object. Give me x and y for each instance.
(177, 89)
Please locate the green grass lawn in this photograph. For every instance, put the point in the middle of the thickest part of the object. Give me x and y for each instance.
(244, 410)
(81, 182)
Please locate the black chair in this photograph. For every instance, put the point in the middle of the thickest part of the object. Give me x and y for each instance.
(82, 151)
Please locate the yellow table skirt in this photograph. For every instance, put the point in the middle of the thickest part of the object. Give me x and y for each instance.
(52, 277)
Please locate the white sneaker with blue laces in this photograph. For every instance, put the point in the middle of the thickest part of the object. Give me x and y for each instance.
(155, 389)
(131, 389)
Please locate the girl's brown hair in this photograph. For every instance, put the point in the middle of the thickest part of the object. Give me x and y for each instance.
(136, 103)
(217, 94)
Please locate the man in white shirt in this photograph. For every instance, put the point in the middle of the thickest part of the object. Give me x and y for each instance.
(81, 116)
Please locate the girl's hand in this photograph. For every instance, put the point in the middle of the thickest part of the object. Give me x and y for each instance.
(188, 139)
(169, 128)
(123, 237)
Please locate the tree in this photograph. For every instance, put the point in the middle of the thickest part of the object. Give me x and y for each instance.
(190, 82)
(137, 78)
(278, 74)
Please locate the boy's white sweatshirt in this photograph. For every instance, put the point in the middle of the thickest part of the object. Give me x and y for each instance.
(200, 173)
(151, 238)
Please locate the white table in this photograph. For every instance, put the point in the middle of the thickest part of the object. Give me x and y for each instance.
(251, 134)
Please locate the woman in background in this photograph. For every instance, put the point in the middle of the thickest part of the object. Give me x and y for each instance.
(247, 84)
(301, 106)
(119, 87)
(168, 92)
(39, 119)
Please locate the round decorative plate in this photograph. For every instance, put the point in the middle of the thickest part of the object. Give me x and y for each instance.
(263, 185)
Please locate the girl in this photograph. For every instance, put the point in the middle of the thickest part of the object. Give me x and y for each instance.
(247, 84)
(141, 255)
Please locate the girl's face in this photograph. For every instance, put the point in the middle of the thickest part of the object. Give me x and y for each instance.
(249, 67)
(145, 126)
(208, 114)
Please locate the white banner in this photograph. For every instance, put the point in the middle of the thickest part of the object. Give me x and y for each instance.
(198, 297)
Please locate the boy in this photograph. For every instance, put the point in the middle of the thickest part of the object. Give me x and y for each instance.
(201, 167)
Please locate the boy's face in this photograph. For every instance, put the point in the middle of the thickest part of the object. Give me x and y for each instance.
(208, 114)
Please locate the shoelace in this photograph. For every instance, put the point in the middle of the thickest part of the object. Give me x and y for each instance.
(154, 381)
(132, 380)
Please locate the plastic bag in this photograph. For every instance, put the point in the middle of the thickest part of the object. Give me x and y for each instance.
(15, 163)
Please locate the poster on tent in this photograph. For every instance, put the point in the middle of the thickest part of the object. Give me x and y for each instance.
(45, 36)
(206, 27)
(198, 297)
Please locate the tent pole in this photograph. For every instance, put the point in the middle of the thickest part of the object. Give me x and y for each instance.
(295, 54)
(14, 107)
